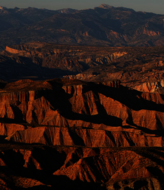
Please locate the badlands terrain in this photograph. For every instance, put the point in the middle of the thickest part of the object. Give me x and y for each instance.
(81, 99)
(81, 117)
(140, 68)
(97, 133)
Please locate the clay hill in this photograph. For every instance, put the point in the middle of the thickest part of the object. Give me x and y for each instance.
(140, 68)
(104, 25)
(62, 133)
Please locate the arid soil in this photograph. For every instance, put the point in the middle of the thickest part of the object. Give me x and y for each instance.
(62, 133)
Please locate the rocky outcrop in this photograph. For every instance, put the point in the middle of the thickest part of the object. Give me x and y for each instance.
(16, 51)
(150, 86)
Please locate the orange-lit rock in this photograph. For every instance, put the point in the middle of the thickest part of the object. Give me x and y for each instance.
(62, 131)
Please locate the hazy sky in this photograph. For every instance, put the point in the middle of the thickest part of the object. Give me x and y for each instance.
(156, 6)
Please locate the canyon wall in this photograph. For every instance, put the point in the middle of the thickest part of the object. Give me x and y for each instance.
(67, 132)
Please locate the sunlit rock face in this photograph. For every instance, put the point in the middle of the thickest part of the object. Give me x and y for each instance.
(99, 135)
(150, 86)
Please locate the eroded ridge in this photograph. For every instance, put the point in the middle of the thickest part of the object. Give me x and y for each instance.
(64, 132)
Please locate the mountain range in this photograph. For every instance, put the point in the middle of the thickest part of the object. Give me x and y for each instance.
(104, 26)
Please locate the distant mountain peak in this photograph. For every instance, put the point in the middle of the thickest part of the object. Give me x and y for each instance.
(105, 6)
(33, 8)
(16, 8)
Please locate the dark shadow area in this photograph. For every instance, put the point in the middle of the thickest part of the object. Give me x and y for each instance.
(8, 120)
(158, 174)
(17, 114)
(17, 120)
(136, 184)
(63, 182)
(50, 160)
(140, 183)
(156, 156)
(2, 139)
(2, 85)
(17, 160)
(149, 131)
(131, 98)
(29, 70)
(60, 101)
(116, 186)
(73, 160)
(76, 139)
